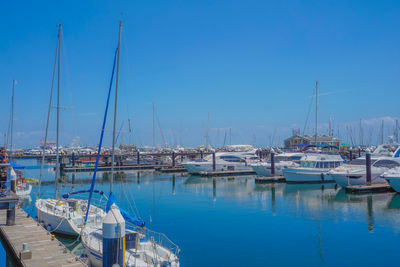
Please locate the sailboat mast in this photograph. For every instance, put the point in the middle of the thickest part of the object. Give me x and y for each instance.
(316, 112)
(58, 110)
(154, 129)
(115, 108)
(12, 121)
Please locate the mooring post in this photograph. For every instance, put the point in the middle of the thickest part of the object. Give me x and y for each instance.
(214, 167)
(272, 162)
(359, 151)
(173, 158)
(113, 238)
(73, 159)
(368, 166)
(201, 154)
(351, 154)
(138, 158)
(10, 220)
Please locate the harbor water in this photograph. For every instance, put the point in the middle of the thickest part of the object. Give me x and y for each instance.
(236, 222)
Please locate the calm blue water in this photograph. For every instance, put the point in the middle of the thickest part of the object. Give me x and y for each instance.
(234, 222)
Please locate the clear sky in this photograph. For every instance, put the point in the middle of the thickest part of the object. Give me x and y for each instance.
(252, 65)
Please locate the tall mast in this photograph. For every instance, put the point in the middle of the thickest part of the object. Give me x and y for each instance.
(115, 108)
(382, 134)
(58, 110)
(316, 112)
(154, 129)
(12, 121)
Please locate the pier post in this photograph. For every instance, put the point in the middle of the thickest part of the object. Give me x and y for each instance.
(10, 220)
(359, 151)
(173, 159)
(368, 166)
(201, 154)
(351, 154)
(138, 158)
(73, 159)
(113, 238)
(213, 158)
(272, 162)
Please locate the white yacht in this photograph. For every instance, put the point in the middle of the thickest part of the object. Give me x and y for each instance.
(393, 178)
(141, 248)
(282, 161)
(313, 168)
(224, 161)
(66, 216)
(354, 173)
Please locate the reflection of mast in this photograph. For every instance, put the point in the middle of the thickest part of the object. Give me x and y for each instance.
(173, 184)
(321, 251)
(370, 214)
(214, 189)
(273, 199)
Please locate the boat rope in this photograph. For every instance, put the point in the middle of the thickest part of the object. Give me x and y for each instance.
(101, 137)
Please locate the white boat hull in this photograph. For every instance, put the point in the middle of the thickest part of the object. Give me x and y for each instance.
(344, 179)
(56, 223)
(298, 175)
(394, 182)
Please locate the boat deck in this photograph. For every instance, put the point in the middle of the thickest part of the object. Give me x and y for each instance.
(44, 250)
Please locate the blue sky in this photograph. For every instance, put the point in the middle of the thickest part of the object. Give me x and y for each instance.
(252, 65)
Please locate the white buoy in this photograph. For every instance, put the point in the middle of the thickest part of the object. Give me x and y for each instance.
(113, 238)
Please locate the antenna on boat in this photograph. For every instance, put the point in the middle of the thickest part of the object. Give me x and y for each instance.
(154, 129)
(316, 112)
(58, 110)
(115, 107)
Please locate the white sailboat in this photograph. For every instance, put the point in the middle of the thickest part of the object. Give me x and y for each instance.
(142, 247)
(64, 216)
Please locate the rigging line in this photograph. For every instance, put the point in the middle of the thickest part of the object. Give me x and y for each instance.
(48, 120)
(101, 137)
(308, 113)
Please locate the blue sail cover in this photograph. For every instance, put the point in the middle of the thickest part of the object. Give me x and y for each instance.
(16, 166)
(127, 216)
(81, 192)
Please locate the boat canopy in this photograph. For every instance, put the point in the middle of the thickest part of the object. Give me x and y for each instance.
(16, 166)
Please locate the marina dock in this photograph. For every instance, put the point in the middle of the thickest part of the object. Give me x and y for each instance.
(271, 179)
(373, 188)
(108, 168)
(42, 249)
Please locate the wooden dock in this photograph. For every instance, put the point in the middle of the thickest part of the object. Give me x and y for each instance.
(271, 179)
(43, 249)
(171, 169)
(108, 168)
(373, 188)
(226, 173)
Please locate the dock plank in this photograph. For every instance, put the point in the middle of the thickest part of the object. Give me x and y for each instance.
(45, 252)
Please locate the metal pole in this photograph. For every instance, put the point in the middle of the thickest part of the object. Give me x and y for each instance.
(154, 129)
(58, 111)
(138, 158)
(368, 166)
(272, 162)
(351, 154)
(115, 108)
(173, 159)
(316, 113)
(213, 158)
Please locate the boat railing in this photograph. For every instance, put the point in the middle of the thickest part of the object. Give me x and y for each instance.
(156, 237)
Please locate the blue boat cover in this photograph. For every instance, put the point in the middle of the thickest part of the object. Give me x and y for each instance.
(127, 216)
(16, 166)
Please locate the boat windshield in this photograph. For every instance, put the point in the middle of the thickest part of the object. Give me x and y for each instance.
(361, 161)
(387, 164)
(308, 164)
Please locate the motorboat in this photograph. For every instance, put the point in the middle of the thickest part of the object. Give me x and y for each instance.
(392, 176)
(313, 168)
(224, 161)
(281, 161)
(354, 173)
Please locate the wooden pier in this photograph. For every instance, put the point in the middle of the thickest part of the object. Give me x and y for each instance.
(226, 173)
(108, 168)
(42, 248)
(373, 188)
(271, 179)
